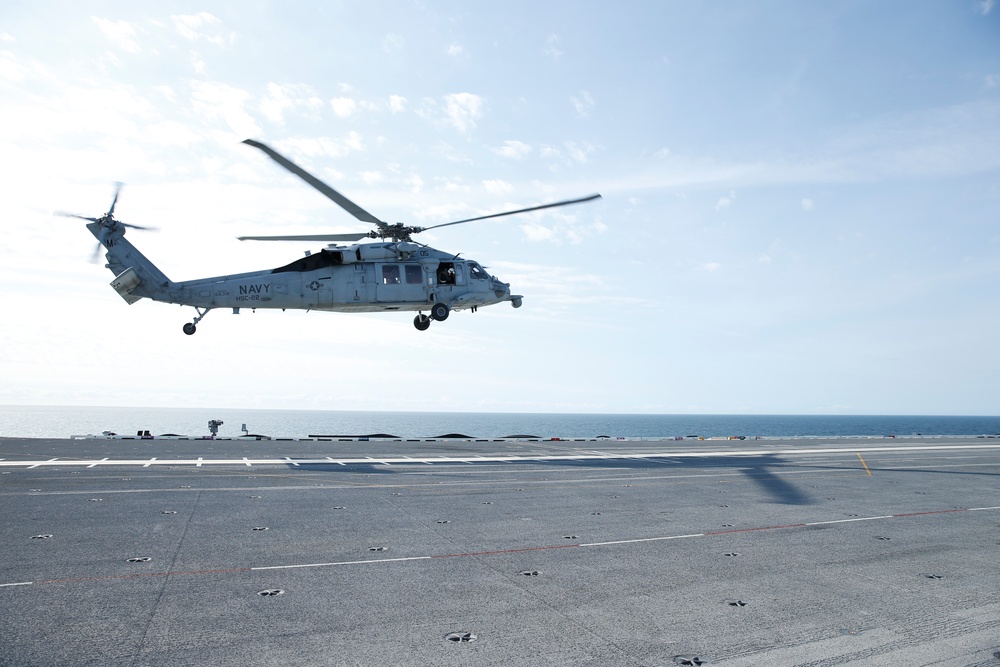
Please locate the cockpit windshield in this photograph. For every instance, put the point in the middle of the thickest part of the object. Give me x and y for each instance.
(477, 272)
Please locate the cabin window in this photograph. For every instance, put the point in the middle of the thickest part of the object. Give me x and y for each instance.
(446, 273)
(390, 274)
(477, 272)
(414, 274)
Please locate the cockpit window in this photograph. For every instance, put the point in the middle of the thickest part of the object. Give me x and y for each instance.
(477, 272)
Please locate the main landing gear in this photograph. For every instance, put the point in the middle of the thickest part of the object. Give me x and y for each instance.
(191, 327)
(439, 312)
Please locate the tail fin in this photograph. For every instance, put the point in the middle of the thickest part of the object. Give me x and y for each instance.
(135, 275)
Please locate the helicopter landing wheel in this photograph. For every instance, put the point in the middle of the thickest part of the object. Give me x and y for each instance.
(189, 329)
(421, 322)
(439, 311)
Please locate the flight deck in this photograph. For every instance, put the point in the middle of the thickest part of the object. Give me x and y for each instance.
(461, 552)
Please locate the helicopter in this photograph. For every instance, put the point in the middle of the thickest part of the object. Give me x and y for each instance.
(393, 273)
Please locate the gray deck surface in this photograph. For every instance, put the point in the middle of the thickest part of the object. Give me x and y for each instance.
(691, 554)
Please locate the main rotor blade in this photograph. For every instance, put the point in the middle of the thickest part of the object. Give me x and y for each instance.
(341, 200)
(520, 210)
(306, 237)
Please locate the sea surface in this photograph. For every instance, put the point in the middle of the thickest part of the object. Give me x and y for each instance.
(64, 422)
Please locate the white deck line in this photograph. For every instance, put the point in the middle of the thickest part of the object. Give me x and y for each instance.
(346, 562)
(507, 458)
(641, 539)
(864, 518)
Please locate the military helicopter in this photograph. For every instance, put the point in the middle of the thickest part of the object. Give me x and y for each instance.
(394, 273)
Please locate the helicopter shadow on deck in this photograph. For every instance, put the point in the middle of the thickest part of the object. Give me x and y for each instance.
(759, 470)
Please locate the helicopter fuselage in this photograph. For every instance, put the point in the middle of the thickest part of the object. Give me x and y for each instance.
(357, 278)
(367, 277)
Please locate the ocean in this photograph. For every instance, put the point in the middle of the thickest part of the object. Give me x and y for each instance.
(64, 422)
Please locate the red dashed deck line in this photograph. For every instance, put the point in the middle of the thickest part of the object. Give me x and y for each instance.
(493, 552)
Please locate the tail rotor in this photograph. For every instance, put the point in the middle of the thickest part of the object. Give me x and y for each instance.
(107, 223)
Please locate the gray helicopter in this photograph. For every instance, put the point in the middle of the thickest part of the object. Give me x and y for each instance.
(390, 274)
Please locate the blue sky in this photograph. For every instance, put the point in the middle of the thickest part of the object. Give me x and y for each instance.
(799, 216)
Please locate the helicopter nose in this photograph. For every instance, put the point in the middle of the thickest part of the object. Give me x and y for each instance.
(500, 288)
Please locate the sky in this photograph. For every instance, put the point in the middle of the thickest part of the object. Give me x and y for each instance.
(799, 216)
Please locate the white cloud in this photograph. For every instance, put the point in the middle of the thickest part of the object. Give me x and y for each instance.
(214, 100)
(549, 151)
(322, 146)
(202, 26)
(7, 37)
(289, 97)
(711, 266)
(560, 286)
(513, 149)
(415, 183)
(371, 177)
(10, 68)
(345, 88)
(455, 50)
(498, 187)
(579, 152)
(535, 232)
(582, 104)
(991, 81)
(558, 226)
(985, 7)
(663, 152)
(392, 43)
(197, 62)
(443, 212)
(119, 32)
(807, 204)
(551, 47)
(167, 92)
(343, 106)
(462, 110)
(397, 103)
(353, 141)
(726, 201)
(171, 133)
